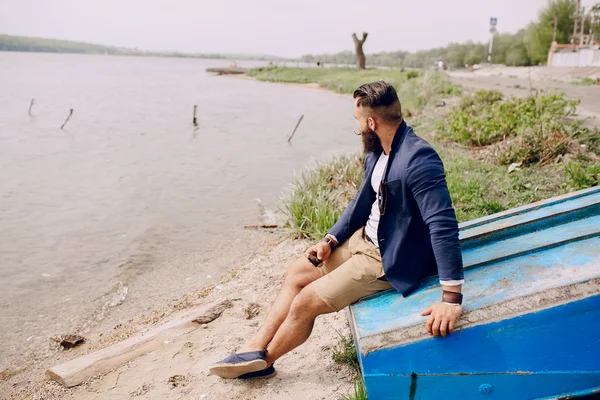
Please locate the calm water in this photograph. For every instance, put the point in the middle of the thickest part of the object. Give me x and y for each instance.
(129, 185)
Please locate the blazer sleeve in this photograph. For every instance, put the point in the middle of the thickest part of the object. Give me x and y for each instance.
(427, 182)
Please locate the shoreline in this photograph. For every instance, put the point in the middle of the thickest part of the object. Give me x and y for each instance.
(308, 370)
(313, 86)
(106, 326)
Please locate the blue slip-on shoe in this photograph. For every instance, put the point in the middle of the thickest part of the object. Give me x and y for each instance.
(239, 364)
(262, 374)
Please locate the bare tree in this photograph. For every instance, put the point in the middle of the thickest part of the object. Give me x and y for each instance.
(360, 54)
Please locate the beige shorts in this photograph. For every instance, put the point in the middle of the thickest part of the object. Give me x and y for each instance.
(351, 273)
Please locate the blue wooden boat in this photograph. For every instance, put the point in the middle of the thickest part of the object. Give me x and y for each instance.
(531, 322)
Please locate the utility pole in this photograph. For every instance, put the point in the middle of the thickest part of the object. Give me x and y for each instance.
(493, 23)
(575, 27)
(582, 24)
(555, 27)
(593, 16)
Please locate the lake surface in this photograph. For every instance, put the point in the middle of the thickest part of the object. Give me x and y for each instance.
(130, 193)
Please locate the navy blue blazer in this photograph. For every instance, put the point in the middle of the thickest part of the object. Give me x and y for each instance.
(418, 231)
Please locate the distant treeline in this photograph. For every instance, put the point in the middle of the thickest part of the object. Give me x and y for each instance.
(529, 46)
(33, 44)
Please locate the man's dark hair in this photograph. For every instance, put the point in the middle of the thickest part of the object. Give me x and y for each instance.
(381, 97)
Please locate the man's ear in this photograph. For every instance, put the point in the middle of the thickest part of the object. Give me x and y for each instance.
(372, 124)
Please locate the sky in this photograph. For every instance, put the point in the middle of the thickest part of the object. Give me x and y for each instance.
(287, 28)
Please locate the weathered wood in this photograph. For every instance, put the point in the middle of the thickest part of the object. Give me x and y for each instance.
(67, 120)
(75, 372)
(71, 341)
(297, 125)
(214, 312)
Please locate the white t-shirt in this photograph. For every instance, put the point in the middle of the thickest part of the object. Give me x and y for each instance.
(373, 223)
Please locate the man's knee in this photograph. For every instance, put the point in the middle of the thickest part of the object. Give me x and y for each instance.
(301, 273)
(307, 304)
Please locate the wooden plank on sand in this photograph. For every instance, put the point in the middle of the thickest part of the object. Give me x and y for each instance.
(75, 372)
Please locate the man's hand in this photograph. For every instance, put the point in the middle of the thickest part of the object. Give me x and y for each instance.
(322, 249)
(442, 318)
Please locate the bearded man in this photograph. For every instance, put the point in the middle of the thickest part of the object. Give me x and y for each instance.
(399, 229)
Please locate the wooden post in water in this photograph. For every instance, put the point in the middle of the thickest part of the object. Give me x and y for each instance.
(67, 120)
(31, 105)
(297, 125)
(194, 120)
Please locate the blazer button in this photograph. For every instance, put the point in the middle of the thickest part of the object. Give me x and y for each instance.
(381, 240)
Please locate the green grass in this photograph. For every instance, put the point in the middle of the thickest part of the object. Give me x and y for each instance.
(416, 89)
(360, 391)
(584, 175)
(320, 194)
(584, 81)
(346, 353)
(479, 188)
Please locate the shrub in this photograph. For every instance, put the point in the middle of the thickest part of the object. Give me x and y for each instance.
(484, 118)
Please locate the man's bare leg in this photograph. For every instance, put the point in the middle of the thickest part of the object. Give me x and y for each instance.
(298, 325)
(300, 274)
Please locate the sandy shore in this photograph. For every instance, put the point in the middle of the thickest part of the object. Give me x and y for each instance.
(307, 373)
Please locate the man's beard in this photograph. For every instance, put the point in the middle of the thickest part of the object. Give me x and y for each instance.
(371, 142)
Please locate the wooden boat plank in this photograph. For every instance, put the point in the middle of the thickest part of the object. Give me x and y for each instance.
(568, 197)
(532, 241)
(536, 219)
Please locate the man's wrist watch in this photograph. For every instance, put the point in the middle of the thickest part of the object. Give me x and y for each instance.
(332, 243)
(452, 298)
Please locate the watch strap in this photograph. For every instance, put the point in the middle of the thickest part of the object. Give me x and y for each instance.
(452, 297)
(332, 243)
